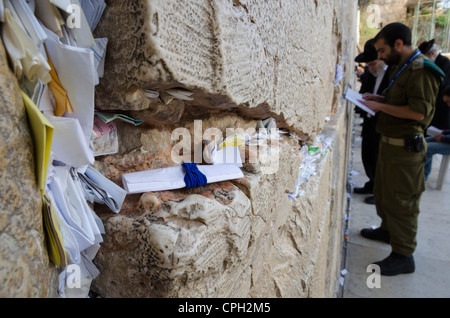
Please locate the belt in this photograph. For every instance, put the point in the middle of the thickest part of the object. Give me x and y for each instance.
(393, 141)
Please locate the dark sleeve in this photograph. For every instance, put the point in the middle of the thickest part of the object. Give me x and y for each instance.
(444, 64)
(367, 82)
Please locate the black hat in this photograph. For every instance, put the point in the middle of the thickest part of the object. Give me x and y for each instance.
(425, 47)
(370, 53)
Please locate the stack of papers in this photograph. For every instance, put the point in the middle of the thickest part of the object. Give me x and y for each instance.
(57, 252)
(57, 63)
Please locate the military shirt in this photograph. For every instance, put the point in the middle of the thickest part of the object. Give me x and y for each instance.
(417, 86)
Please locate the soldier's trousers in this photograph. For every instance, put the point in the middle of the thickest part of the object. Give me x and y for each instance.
(399, 184)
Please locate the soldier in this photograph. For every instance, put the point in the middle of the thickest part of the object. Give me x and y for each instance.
(403, 113)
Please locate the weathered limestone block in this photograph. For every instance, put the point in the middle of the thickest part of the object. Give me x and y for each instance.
(25, 270)
(241, 59)
(304, 255)
(264, 59)
(203, 242)
(286, 248)
(161, 114)
(175, 244)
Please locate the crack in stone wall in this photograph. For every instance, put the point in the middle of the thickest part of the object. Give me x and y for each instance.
(259, 58)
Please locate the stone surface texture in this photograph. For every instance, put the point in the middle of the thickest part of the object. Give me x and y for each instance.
(243, 60)
(25, 270)
(274, 58)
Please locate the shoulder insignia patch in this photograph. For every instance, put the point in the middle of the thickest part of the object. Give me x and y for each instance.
(417, 64)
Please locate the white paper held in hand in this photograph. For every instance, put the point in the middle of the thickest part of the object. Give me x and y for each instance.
(355, 98)
(433, 131)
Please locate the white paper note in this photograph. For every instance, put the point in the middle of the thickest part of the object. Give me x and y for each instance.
(173, 177)
(433, 131)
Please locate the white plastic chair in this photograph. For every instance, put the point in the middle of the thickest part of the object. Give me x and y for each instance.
(442, 171)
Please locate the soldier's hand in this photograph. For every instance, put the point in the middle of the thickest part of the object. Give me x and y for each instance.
(373, 97)
(373, 105)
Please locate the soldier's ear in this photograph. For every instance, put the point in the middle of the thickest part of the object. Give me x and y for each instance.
(398, 44)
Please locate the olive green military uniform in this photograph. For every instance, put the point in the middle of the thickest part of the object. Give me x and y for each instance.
(399, 180)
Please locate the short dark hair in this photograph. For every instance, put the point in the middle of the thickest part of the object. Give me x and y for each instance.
(446, 91)
(393, 32)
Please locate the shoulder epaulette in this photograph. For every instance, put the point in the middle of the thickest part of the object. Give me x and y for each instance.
(418, 63)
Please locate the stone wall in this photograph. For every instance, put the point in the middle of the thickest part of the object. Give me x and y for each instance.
(244, 238)
(256, 58)
(243, 61)
(25, 269)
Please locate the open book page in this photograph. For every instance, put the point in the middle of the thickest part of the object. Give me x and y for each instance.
(355, 98)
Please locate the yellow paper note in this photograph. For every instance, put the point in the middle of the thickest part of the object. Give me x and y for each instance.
(42, 134)
(236, 140)
(55, 246)
(59, 93)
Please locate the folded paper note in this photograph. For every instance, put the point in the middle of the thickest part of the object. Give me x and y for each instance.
(67, 232)
(25, 55)
(56, 250)
(58, 189)
(227, 152)
(102, 127)
(42, 134)
(102, 189)
(173, 177)
(62, 102)
(99, 50)
(93, 10)
(77, 74)
(62, 4)
(29, 21)
(76, 22)
(50, 16)
(69, 144)
(107, 117)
